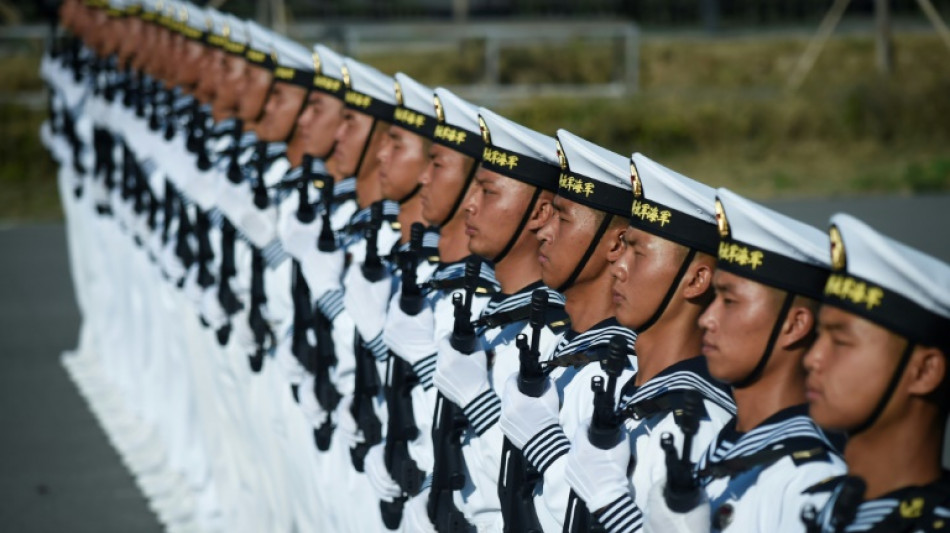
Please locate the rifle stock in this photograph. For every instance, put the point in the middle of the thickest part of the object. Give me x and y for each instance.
(448, 473)
(516, 477)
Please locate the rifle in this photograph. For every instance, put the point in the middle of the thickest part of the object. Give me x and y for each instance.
(682, 492)
(517, 478)
(325, 354)
(258, 324)
(400, 379)
(305, 211)
(367, 379)
(448, 473)
(261, 200)
(326, 242)
(605, 432)
(844, 507)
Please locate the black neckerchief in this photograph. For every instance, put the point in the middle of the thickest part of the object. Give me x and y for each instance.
(789, 432)
(658, 394)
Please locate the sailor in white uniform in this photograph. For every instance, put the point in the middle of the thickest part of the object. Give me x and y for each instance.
(770, 274)
(590, 208)
(662, 283)
(878, 371)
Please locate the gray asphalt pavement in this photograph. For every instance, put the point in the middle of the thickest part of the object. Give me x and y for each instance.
(58, 471)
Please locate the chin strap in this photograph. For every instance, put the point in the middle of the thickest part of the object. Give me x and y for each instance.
(886, 397)
(369, 138)
(461, 197)
(669, 292)
(524, 222)
(293, 127)
(604, 224)
(413, 192)
(773, 336)
(260, 114)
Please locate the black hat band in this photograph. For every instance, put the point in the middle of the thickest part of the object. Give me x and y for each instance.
(418, 123)
(521, 167)
(887, 308)
(365, 103)
(674, 225)
(594, 194)
(300, 78)
(459, 139)
(259, 58)
(331, 86)
(772, 269)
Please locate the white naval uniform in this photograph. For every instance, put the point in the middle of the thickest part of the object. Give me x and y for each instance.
(645, 425)
(768, 497)
(547, 451)
(482, 443)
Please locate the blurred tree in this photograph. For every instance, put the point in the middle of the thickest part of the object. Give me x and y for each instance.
(9, 13)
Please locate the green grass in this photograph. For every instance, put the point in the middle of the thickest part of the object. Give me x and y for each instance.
(28, 187)
(714, 109)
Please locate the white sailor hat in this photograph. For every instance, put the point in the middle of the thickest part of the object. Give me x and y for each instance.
(593, 176)
(414, 110)
(368, 90)
(215, 22)
(889, 283)
(518, 152)
(149, 7)
(259, 45)
(672, 206)
(328, 69)
(769, 247)
(167, 13)
(126, 8)
(193, 21)
(235, 35)
(294, 62)
(153, 11)
(115, 8)
(458, 123)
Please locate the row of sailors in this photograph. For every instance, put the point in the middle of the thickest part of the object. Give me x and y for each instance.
(483, 327)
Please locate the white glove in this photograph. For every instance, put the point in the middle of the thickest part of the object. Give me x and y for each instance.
(242, 336)
(460, 377)
(660, 518)
(597, 476)
(290, 367)
(416, 514)
(259, 225)
(384, 486)
(412, 338)
(323, 271)
(312, 411)
(153, 246)
(192, 290)
(298, 238)
(170, 263)
(349, 430)
(211, 309)
(522, 416)
(367, 300)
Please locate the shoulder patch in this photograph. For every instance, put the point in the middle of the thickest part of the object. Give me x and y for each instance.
(557, 319)
(825, 485)
(818, 453)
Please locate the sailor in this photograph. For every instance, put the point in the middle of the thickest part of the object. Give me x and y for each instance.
(878, 371)
(577, 242)
(370, 102)
(509, 204)
(398, 466)
(770, 274)
(662, 282)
